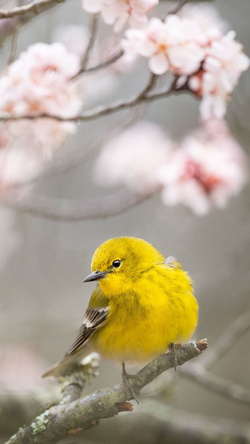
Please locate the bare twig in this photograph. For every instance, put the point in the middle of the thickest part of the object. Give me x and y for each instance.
(199, 373)
(13, 47)
(104, 64)
(151, 83)
(68, 210)
(228, 389)
(62, 420)
(34, 7)
(178, 7)
(90, 46)
(235, 330)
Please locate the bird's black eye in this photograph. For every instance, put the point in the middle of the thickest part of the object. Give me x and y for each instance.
(116, 263)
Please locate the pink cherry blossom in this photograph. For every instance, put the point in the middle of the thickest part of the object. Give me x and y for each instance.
(38, 82)
(118, 12)
(221, 71)
(205, 171)
(170, 45)
(132, 157)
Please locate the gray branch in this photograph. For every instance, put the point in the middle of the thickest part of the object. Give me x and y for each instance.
(106, 110)
(34, 7)
(68, 210)
(228, 389)
(60, 421)
(235, 330)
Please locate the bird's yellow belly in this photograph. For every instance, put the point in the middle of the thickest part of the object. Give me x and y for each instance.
(141, 333)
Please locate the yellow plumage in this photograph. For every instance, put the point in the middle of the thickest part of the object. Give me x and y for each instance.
(148, 300)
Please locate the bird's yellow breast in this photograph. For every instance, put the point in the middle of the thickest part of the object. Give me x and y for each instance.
(157, 309)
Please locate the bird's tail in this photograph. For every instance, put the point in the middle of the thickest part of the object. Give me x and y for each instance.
(69, 363)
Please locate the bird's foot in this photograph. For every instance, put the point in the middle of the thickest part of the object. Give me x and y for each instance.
(125, 380)
(172, 349)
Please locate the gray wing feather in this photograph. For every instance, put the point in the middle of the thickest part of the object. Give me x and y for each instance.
(93, 319)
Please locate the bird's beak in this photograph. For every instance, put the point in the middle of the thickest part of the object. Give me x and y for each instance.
(95, 276)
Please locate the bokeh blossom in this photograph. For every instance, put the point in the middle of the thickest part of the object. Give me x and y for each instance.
(200, 172)
(207, 169)
(9, 237)
(25, 148)
(132, 156)
(29, 364)
(118, 12)
(38, 82)
(207, 18)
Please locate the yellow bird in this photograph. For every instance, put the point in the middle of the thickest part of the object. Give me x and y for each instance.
(142, 303)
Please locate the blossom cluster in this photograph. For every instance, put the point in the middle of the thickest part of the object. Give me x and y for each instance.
(201, 171)
(38, 82)
(196, 49)
(118, 12)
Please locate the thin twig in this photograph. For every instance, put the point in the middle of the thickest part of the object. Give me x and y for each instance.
(104, 64)
(228, 389)
(92, 39)
(236, 329)
(151, 83)
(34, 7)
(178, 7)
(13, 46)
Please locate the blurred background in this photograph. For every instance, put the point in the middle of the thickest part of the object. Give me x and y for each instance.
(43, 262)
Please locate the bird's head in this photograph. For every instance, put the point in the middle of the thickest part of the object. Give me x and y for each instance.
(118, 263)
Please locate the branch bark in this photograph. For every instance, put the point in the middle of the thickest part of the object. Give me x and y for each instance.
(34, 7)
(62, 420)
(106, 110)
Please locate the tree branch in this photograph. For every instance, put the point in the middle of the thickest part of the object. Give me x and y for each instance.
(106, 110)
(178, 7)
(228, 389)
(199, 373)
(235, 330)
(34, 7)
(62, 420)
(92, 38)
(104, 64)
(68, 210)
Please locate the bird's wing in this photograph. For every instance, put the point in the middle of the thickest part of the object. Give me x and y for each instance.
(94, 318)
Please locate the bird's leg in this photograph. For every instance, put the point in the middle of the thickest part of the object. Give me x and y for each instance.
(172, 349)
(125, 379)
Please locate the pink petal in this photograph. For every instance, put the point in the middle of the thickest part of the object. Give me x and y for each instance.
(92, 6)
(158, 64)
